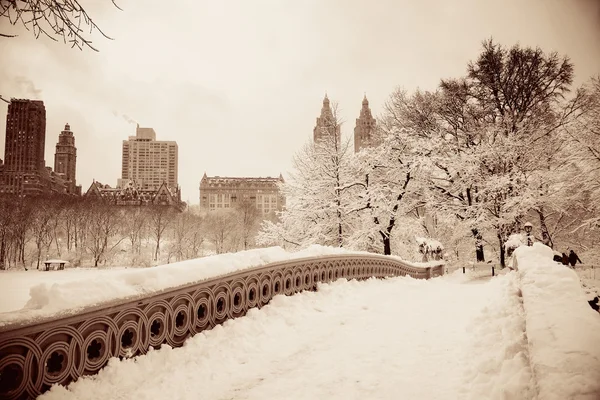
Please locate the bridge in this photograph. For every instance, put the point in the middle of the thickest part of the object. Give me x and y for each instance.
(34, 355)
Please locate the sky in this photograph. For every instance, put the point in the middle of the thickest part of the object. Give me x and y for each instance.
(238, 84)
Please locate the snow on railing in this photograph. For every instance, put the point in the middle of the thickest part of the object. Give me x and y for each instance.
(563, 331)
(36, 355)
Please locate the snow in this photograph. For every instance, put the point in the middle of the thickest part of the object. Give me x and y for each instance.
(379, 339)
(57, 293)
(428, 243)
(515, 240)
(562, 329)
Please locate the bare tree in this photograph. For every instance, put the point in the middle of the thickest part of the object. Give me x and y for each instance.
(160, 217)
(220, 226)
(134, 226)
(247, 217)
(54, 19)
(104, 224)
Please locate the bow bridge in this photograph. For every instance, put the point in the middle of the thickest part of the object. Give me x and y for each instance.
(36, 355)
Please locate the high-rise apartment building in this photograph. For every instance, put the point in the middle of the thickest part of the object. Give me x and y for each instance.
(326, 123)
(149, 162)
(364, 131)
(24, 171)
(25, 136)
(65, 159)
(218, 193)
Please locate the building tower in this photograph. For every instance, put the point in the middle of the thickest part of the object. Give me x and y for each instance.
(25, 136)
(24, 145)
(65, 158)
(326, 123)
(149, 162)
(365, 127)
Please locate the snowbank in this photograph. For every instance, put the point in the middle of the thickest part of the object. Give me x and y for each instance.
(562, 329)
(69, 296)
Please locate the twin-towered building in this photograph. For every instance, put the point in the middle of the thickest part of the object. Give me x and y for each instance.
(328, 125)
(219, 193)
(24, 171)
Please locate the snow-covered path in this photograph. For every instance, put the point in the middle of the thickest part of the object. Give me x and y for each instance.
(379, 339)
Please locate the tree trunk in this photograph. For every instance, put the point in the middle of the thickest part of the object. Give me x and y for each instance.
(546, 239)
(502, 251)
(2, 251)
(387, 246)
(479, 254)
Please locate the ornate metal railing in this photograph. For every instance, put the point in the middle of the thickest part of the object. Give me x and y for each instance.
(34, 356)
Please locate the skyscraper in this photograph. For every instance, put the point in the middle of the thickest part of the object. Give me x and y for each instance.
(365, 127)
(326, 123)
(149, 162)
(65, 159)
(25, 136)
(24, 172)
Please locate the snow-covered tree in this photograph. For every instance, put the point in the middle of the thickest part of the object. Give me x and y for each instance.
(317, 204)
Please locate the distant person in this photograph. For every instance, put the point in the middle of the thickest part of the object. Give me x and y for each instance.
(565, 259)
(557, 258)
(573, 258)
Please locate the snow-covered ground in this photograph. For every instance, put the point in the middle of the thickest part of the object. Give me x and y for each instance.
(380, 339)
(524, 334)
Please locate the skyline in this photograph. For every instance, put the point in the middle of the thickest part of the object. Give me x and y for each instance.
(239, 88)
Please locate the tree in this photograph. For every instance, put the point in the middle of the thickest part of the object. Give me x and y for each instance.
(220, 226)
(160, 217)
(247, 216)
(386, 184)
(583, 155)
(134, 226)
(104, 225)
(52, 18)
(317, 207)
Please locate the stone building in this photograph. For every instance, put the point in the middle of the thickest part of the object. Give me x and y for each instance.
(131, 195)
(24, 172)
(365, 129)
(149, 162)
(326, 123)
(226, 192)
(65, 159)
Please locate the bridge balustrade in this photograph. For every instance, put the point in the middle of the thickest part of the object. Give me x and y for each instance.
(36, 355)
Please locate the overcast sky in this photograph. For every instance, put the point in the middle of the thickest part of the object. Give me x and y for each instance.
(238, 84)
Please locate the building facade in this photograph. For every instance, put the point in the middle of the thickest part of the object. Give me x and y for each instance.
(24, 172)
(65, 159)
(326, 123)
(131, 195)
(226, 192)
(365, 129)
(149, 162)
